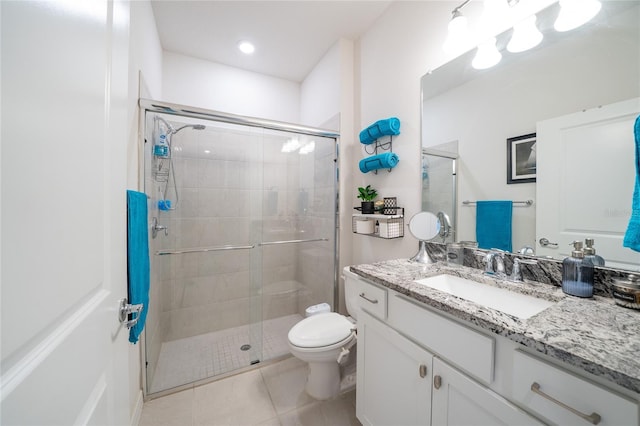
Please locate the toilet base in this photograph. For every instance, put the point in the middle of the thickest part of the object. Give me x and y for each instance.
(323, 381)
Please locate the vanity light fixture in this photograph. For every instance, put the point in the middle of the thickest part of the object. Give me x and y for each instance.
(574, 13)
(494, 13)
(246, 47)
(458, 32)
(487, 55)
(525, 35)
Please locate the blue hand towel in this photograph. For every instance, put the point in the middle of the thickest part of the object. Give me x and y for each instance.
(493, 224)
(632, 236)
(137, 258)
(388, 126)
(388, 160)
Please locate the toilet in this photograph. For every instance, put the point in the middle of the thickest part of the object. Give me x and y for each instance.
(324, 340)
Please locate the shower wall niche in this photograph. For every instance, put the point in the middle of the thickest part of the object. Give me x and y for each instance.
(250, 243)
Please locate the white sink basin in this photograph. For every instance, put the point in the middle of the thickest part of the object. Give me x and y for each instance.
(509, 302)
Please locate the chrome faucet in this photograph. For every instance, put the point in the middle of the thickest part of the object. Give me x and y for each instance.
(516, 272)
(494, 263)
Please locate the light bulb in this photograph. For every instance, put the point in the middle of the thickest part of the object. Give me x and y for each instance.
(458, 34)
(487, 55)
(574, 13)
(525, 35)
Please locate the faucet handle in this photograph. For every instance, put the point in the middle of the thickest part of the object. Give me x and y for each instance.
(516, 272)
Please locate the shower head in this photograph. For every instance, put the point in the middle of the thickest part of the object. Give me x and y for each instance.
(172, 130)
(193, 126)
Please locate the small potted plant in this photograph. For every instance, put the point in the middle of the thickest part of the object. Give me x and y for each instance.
(367, 195)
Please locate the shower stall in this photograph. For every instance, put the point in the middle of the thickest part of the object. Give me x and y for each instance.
(242, 216)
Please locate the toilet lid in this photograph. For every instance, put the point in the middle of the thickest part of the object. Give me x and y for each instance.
(320, 330)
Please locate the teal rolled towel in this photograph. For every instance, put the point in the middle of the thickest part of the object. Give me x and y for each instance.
(386, 127)
(388, 160)
(632, 236)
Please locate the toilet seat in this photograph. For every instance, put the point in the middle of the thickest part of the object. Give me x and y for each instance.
(321, 331)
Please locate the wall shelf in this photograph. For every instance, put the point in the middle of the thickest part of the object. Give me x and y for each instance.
(383, 226)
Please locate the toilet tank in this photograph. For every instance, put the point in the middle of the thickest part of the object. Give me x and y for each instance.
(351, 292)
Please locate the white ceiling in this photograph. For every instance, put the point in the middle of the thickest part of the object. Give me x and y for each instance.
(290, 36)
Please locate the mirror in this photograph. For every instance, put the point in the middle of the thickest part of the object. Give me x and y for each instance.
(477, 111)
(424, 226)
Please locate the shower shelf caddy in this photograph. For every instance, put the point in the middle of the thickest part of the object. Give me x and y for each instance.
(389, 226)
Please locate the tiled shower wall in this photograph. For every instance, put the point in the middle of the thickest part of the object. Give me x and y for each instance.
(237, 188)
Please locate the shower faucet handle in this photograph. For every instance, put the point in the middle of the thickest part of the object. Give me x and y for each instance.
(155, 228)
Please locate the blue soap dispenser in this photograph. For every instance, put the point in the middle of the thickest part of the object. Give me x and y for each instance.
(590, 253)
(577, 273)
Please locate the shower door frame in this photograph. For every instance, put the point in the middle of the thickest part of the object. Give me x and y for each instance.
(153, 106)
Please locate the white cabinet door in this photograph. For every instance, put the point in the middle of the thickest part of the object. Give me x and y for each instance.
(458, 400)
(394, 377)
(586, 174)
(64, 131)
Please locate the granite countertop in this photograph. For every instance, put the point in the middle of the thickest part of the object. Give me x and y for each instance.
(594, 334)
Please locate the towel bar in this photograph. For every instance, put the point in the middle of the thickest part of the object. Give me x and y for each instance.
(527, 203)
(270, 243)
(202, 250)
(221, 248)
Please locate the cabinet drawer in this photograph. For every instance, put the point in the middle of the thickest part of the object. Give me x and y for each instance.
(370, 297)
(466, 348)
(568, 399)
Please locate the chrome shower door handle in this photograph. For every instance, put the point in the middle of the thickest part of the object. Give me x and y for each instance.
(127, 308)
(544, 242)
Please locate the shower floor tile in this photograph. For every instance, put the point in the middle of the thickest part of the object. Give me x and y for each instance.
(195, 358)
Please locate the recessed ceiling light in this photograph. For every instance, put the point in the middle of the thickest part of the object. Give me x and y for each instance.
(246, 47)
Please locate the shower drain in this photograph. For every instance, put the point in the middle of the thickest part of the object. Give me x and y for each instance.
(245, 347)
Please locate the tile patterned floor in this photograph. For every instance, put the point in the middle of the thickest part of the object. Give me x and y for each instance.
(195, 358)
(271, 395)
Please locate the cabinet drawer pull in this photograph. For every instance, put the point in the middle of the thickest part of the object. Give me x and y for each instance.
(594, 418)
(423, 371)
(437, 382)
(374, 301)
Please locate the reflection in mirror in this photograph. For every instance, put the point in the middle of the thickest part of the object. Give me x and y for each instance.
(594, 65)
(439, 185)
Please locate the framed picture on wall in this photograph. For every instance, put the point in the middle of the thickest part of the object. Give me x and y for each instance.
(521, 159)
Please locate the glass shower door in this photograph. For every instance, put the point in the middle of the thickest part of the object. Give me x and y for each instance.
(206, 312)
(245, 242)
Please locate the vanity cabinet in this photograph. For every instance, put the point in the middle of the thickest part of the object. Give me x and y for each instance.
(419, 365)
(401, 382)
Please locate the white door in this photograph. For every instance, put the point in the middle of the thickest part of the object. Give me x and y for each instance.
(63, 220)
(585, 181)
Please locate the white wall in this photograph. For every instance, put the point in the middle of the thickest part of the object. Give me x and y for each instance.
(204, 84)
(320, 91)
(393, 55)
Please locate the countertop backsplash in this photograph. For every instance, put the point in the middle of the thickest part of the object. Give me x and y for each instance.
(548, 271)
